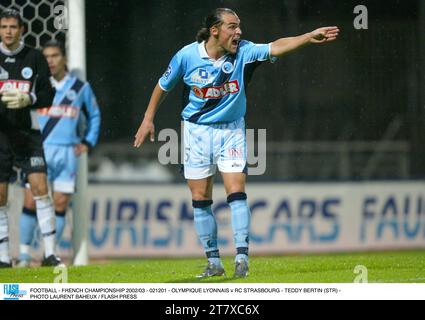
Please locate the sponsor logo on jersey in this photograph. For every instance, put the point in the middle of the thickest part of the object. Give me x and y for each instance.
(27, 72)
(201, 76)
(218, 92)
(59, 112)
(22, 86)
(227, 67)
(167, 73)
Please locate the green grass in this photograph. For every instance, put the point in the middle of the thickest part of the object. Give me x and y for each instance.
(398, 267)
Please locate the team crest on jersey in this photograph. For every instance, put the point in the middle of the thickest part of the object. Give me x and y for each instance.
(227, 67)
(4, 75)
(71, 95)
(167, 73)
(27, 72)
(201, 76)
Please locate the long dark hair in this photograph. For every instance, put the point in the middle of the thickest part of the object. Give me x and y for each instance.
(214, 18)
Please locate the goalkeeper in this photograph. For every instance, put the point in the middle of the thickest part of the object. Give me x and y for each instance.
(24, 86)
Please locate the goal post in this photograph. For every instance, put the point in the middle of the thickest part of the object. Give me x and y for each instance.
(77, 64)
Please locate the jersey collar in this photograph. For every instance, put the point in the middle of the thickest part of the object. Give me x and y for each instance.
(58, 85)
(7, 52)
(204, 54)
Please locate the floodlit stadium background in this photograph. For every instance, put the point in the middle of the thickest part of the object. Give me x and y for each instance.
(346, 119)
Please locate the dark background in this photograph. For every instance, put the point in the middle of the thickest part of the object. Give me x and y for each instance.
(352, 89)
(367, 87)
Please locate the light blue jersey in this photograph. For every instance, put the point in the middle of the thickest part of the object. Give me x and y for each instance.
(74, 106)
(216, 88)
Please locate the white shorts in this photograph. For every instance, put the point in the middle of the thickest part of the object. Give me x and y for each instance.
(206, 146)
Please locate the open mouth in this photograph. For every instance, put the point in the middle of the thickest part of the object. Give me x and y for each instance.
(235, 42)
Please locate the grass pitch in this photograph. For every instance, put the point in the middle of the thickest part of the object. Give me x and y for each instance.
(382, 267)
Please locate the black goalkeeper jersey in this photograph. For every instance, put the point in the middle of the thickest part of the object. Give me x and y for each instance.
(25, 69)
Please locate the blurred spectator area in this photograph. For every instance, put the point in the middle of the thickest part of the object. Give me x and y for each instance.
(285, 161)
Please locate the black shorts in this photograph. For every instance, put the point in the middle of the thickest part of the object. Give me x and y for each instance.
(23, 149)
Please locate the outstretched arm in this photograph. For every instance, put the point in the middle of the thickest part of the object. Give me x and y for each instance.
(282, 46)
(147, 127)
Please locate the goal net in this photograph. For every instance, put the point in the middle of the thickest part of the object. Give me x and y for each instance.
(44, 19)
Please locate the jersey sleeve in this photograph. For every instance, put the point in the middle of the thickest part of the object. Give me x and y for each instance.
(92, 117)
(257, 52)
(42, 93)
(173, 74)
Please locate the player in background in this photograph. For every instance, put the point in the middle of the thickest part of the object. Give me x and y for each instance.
(24, 87)
(215, 70)
(74, 104)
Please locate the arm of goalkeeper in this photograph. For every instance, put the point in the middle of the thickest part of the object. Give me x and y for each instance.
(14, 99)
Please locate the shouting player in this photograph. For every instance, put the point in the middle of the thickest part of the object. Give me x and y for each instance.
(215, 70)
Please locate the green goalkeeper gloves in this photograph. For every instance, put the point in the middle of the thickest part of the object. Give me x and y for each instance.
(14, 99)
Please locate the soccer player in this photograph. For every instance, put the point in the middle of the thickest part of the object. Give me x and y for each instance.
(215, 70)
(24, 87)
(74, 103)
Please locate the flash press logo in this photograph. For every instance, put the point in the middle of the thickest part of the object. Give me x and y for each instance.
(12, 292)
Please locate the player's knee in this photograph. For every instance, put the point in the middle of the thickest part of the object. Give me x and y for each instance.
(61, 201)
(29, 203)
(39, 189)
(38, 183)
(60, 205)
(235, 188)
(200, 195)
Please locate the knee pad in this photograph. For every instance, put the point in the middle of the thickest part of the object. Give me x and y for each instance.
(236, 196)
(200, 204)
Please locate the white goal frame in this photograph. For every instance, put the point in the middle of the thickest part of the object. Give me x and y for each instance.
(77, 63)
